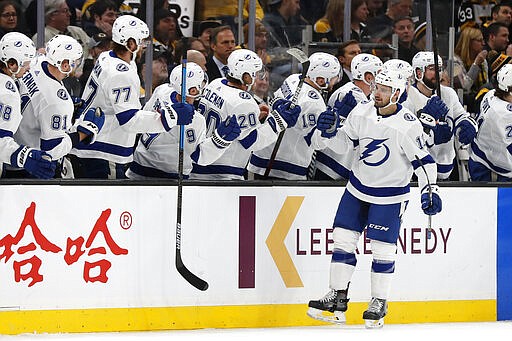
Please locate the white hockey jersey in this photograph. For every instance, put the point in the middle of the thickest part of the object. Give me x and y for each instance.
(47, 111)
(387, 147)
(218, 102)
(157, 155)
(114, 86)
(296, 149)
(10, 113)
(338, 165)
(443, 154)
(493, 144)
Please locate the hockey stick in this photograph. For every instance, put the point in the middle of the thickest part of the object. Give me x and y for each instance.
(429, 228)
(304, 61)
(182, 269)
(434, 48)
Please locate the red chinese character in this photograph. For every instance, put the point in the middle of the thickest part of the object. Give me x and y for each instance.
(9, 241)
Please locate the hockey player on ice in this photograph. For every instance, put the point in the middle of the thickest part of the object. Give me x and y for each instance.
(490, 155)
(295, 152)
(16, 52)
(225, 97)
(443, 118)
(364, 67)
(156, 155)
(47, 107)
(114, 86)
(390, 146)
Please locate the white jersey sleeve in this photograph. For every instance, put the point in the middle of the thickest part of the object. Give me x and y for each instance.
(10, 117)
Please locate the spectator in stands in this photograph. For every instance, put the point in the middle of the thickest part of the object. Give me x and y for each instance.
(404, 29)
(474, 13)
(358, 19)
(375, 8)
(311, 10)
(496, 37)
(8, 17)
(284, 23)
(470, 69)
(346, 52)
(102, 17)
(204, 33)
(160, 72)
(222, 44)
(260, 41)
(500, 13)
(225, 11)
(57, 18)
(330, 26)
(384, 22)
(495, 61)
(166, 30)
(420, 37)
(195, 53)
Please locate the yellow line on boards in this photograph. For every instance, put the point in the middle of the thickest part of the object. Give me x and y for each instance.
(243, 316)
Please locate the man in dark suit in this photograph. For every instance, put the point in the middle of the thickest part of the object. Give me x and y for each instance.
(222, 43)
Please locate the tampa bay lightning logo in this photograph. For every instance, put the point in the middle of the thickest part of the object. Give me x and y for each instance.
(121, 67)
(62, 94)
(247, 57)
(313, 94)
(365, 59)
(509, 107)
(375, 153)
(18, 43)
(10, 86)
(244, 95)
(409, 117)
(326, 64)
(68, 47)
(190, 74)
(132, 23)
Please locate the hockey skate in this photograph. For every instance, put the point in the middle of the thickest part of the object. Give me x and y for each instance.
(330, 308)
(374, 316)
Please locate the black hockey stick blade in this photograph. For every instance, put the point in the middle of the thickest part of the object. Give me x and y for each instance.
(195, 281)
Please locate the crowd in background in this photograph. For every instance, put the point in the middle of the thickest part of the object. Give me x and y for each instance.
(482, 36)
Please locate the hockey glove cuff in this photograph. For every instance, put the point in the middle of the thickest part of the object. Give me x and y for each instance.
(442, 133)
(34, 161)
(91, 124)
(467, 129)
(226, 132)
(328, 123)
(431, 204)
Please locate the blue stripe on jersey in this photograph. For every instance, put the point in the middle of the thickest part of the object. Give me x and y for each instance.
(217, 169)
(332, 164)
(279, 165)
(107, 148)
(125, 116)
(478, 152)
(444, 168)
(309, 136)
(5, 133)
(249, 140)
(153, 172)
(378, 191)
(425, 160)
(50, 144)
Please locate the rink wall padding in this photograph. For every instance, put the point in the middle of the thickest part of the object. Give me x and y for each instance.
(99, 256)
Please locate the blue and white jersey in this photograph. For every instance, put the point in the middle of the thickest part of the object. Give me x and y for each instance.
(338, 165)
(443, 154)
(10, 117)
(114, 86)
(218, 102)
(493, 143)
(296, 149)
(387, 147)
(157, 154)
(47, 111)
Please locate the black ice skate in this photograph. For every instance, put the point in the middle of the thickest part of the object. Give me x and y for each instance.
(374, 316)
(330, 308)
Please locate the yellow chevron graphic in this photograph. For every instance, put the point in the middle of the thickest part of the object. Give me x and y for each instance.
(275, 242)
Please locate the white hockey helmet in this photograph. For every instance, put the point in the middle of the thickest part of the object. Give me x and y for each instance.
(323, 65)
(196, 79)
(395, 80)
(423, 59)
(17, 46)
(61, 48)
(243, 61)
(363, 63)
(400, 66)
(128, 26)
(504, 78)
